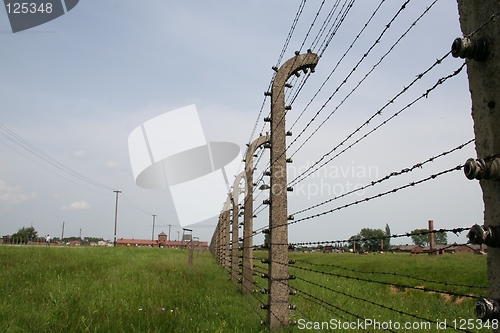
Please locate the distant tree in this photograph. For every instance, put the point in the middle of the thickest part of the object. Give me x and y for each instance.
(93, 239)
(267, 239)
(25, 233)
(423, 239)
(352, 239)
(368, 239)
(387, 241)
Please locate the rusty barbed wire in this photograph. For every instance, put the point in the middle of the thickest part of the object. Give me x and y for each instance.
(336, 66)
(323, 303)
(456, 231)
(314, 21)
(335, 26)
(392, 174)
(268, 295)
(365, 55)
(394, 190)
(493, 18)
(377, 304)
(377, 41)
(397, 285)
(303, 175)
(395, 274)
(285, 47)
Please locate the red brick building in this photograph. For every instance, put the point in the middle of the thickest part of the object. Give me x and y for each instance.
(161, 242)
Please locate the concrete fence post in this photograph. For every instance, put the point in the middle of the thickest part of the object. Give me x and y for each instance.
(219, 239)
(480, 45)
(190, 255)
(226, 234)
(214, 242)
(278, 305)
(235, 255)
(247, 269)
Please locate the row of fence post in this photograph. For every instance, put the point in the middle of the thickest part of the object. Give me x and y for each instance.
(225, 243)
(482, 52)
(22, 241)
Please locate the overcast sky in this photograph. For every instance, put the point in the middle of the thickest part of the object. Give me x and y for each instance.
(77, 86)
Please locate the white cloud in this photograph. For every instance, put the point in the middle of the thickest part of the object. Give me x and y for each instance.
(11, 195)
(77, 206)
(112, 165)
(80, 153)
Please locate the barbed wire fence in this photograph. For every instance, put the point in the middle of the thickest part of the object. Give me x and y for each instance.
(334, 290)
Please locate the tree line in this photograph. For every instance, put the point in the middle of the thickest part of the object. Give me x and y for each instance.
(29, 233)
(380, 240)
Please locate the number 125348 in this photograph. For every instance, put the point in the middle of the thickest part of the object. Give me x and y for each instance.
(25, 8)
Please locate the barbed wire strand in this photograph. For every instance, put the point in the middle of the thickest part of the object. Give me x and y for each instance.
(344, 81)
(377, 304)
(285, 47)
(397, 285)
(447, 283)
(391, 175)
(456, 231)
(303, 175)
(382, 194)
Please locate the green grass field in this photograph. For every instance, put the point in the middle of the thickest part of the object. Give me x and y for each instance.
(363, 299)
(152, 290)
(95, 289)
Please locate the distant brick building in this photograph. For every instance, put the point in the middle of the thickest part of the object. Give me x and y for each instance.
(437, 249)
(415, 249)
(161, 242)
(466, 248)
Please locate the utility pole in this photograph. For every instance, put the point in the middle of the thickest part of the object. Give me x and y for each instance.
(431, 238)
(116, 215)
(153, 234)
(278, 306)
(62, 233)
(481, 46)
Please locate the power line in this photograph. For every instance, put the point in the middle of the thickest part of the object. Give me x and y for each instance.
(54, 172)
(19, 141)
